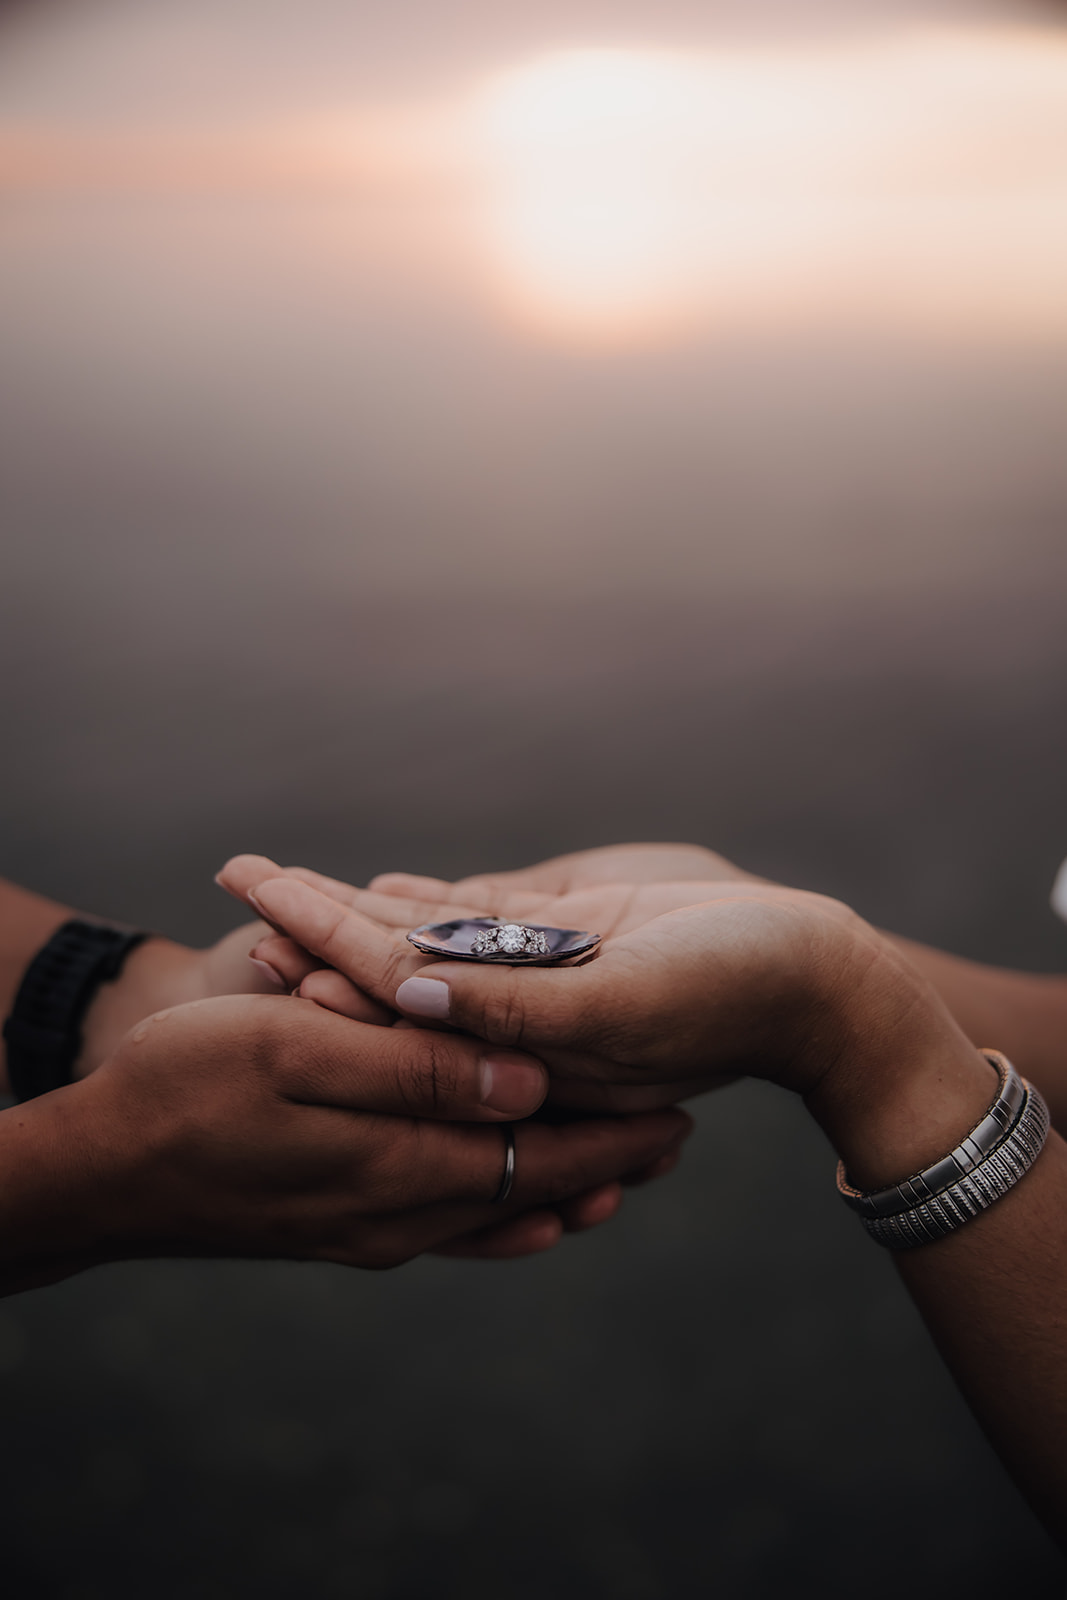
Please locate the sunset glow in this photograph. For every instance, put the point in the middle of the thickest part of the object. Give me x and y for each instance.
(912, 179)
(918, 177)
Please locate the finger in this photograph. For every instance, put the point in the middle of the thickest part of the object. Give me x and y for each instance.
(659, 1168)
(289, 963)
(395, 911)
(590, 1210)
(407, 1072)
(432, 1163)
(557, 1006)
(334, 887)
(376, 959)
(528, 1235)
(334, 992)
(241, 874)
(411, 886)
(225, 964)
(535, 1231)
(485, 891)
(557, 1163)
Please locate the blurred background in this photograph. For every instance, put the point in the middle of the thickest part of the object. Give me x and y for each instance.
(442, 435)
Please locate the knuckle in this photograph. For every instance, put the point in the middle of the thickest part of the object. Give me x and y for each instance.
(503, 1014)
(333, 942)
(431, 1082)
(442, 1076)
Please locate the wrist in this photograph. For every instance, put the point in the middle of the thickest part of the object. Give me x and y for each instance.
(156, 975)
(60, 1161)
(904, 1084)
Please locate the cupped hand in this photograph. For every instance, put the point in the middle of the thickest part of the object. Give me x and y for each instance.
(249, 1126)
(300, 971)
(692, 995)
(603, 905)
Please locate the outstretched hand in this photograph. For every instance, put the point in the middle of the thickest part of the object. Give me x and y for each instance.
(689, 988)
(611, 892)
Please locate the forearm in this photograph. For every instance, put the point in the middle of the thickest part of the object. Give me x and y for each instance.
(54, 1172)
(994, 1292)
(994, 1296)
(1021, 1013)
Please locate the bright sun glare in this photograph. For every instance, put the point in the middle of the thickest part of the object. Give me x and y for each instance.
(915, 178)
(631, 188)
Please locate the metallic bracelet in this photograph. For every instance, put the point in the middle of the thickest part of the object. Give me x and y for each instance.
(996, 1153)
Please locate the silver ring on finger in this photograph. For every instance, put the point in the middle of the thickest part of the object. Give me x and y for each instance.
(508, 1179)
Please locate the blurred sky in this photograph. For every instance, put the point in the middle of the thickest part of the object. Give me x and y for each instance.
(594, 296)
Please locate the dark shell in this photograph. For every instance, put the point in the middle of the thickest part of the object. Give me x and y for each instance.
(454, 941)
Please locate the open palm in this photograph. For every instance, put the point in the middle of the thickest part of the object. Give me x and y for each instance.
(686, 991)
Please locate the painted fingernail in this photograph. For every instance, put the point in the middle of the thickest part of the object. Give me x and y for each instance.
(424, 997)
(511, 1084)
(272, 975)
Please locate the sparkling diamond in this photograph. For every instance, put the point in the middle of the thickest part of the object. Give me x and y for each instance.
(511, 939)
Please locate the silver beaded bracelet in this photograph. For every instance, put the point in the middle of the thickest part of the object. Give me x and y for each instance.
(983, 1167)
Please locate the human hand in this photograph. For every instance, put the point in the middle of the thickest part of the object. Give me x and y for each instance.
(248, 1126)
(759, 980)
(610, 909)
(303, 973)
(583, 869)
(160, 974)
(657, 946)
(603, 902)
(668, 875)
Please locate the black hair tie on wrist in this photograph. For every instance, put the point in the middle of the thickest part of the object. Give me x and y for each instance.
(43, 1033)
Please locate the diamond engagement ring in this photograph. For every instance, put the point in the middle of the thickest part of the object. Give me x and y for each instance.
(494, 939)
(510, 939)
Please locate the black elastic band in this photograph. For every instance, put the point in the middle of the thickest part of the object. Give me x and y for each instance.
(43, 1032)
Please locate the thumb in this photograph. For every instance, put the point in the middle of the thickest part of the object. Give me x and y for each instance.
(505, 1005)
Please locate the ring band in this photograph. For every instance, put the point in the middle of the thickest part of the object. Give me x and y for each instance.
(509, 1165)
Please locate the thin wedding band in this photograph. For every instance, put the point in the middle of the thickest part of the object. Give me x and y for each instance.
(509, 1165)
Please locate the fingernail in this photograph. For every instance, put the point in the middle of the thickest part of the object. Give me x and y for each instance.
(272, 975)
(424, 997)
(511, 1084)
(250, 897)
